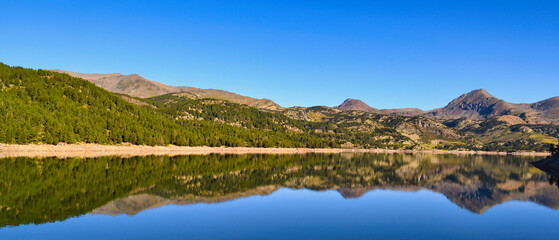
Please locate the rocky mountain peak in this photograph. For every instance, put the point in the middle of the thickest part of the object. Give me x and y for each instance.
(351, 104)
(476, 96)
(477, 104)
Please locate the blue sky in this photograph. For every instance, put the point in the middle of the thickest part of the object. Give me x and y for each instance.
(390, 54)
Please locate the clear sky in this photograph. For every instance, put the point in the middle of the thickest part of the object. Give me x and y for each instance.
(390, 54)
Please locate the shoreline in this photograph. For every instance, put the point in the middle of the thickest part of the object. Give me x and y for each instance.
(97, 150)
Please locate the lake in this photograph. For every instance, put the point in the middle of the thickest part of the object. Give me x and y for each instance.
(316, 196)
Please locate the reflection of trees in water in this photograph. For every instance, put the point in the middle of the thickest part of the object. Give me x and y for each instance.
(549, 164)
(553, 180)
(45, 190)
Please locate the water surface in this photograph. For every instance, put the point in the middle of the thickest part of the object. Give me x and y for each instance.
(333, 196)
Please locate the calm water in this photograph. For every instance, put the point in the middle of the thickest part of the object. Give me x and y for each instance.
(362, 196)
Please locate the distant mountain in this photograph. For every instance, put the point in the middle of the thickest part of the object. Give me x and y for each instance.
(355, 105)
(358, 105)
(480, 105)
(137, 86)
(476, 105)
(549, 108)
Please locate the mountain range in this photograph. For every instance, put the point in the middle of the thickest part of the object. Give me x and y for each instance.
(476, 105)
(137, 86)
(42, 106)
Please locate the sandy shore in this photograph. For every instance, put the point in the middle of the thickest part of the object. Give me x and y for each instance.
(96, 150)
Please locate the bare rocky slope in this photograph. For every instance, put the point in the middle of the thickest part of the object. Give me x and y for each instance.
(137, 86)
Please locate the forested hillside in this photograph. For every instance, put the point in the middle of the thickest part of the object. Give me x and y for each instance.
(341, 129)
(38, 106)
(43, 106)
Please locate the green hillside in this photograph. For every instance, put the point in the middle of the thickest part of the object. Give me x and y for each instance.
(48, 107)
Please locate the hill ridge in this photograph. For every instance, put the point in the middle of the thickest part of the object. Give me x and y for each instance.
(138, 86)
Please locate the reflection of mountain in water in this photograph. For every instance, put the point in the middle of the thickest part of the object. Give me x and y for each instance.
(441, 176)
(46, 190)
(474, 198)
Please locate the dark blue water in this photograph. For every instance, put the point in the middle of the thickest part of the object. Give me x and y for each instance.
(458, 198)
